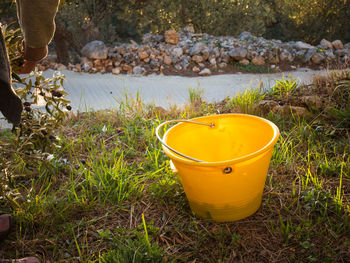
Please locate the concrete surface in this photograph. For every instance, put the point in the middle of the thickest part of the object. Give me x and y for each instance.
(104, 91)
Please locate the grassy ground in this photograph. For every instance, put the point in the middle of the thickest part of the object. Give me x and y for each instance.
(106, 193)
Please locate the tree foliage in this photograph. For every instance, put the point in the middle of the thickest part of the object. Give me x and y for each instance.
(310, 20)
(118, 21)
(306, 20)
(7, 11)
(220, 17)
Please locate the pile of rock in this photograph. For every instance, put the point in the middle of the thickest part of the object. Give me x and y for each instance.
(202, 54)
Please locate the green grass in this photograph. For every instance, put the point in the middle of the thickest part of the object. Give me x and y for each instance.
(246, 102)
(106, 193)
(251, 68)
(131, 245)
(284, 87)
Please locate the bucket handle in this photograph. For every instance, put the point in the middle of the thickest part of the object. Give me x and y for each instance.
(211, 125)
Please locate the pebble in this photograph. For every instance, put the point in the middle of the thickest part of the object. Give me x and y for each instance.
(116, 71)
(337, 44)
(205, 72)
(196, 69)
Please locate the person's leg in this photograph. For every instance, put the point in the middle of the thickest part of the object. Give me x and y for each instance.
(10, 104)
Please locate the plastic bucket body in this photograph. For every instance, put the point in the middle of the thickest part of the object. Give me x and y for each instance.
(236, 153)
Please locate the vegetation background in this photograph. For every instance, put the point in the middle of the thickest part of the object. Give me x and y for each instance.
(80, 21)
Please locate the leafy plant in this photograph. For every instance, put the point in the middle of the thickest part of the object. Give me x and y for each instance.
(45, 108)
(317, 201)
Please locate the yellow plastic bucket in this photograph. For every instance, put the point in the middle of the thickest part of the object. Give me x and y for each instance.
(222, 161)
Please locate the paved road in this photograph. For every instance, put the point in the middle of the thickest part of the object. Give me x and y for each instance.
(97, 91)
(103, 91)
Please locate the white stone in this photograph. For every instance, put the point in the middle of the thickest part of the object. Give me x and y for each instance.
(337, 44)
(197, 59)
(301, 45)
(147, 37)
(198, 48)
(177, 52)
(244, 62)
(326, 44)
(171, 37)
(317, 58)
(167, 60)
(86, 66)
(95, 50)
(84, 60)
(258, 61)
(61, 67)
(205, 72)
(222, 65)
(138, 70)
(238, 53)
(195, 69)
(189, 29)
(212, 61)
(116, 71)
(178, 67)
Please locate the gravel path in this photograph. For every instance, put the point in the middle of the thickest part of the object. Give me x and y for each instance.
(98, 92)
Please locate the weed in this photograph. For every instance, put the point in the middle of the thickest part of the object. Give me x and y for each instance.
(167, 188)
(284, 152)
(317, 201)
(247, 102)
(286, 229)
(130, 246)
(195, 96)
(251, 68)
(338, 198)
(284, 87)
(108, 183)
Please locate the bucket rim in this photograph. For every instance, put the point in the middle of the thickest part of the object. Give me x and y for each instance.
(268, 146)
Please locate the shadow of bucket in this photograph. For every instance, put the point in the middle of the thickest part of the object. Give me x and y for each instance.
(222, 161)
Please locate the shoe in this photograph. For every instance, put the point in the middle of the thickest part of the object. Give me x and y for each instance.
(6, 221)
(22, 260)
(10, 104)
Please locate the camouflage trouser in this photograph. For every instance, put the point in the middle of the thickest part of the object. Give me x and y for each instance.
(10, 104)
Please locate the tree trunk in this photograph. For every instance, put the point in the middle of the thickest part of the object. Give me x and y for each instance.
(183, 13)
(62, 39)
(61, 48)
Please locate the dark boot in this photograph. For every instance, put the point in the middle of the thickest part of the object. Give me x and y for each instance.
(10, 104)
(5, 225)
